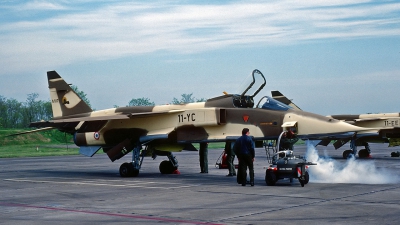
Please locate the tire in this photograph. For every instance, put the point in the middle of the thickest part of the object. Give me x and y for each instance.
(134, 172)
(363, 153)
(306, 178)
(270, 178)
(301, 182)
(125, 170)
(166, 167)
(347, 153)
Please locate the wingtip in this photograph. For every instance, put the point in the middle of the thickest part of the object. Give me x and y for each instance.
(52, 75)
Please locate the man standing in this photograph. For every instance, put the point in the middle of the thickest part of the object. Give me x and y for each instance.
(203, 157)
(287, 141)
(245, 150)
(230, 157)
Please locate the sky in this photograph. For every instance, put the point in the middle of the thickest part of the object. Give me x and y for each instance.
(329, 57)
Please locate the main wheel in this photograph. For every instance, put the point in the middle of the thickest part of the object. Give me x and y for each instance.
(134, 172)
(166, 167)
(125, 170)
(347, 153)
(270, 178)
(363, 153)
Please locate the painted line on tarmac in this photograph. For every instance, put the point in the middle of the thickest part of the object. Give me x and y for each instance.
(139, 181)
(166, 220)
(98, 184)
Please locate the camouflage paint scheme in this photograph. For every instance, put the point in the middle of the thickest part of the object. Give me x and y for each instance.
(166, 128)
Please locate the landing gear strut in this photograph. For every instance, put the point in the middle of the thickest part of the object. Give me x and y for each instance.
(363, 153)
(131, 169)
(353, 148)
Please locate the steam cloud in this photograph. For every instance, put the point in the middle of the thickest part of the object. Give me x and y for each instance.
(329, 170)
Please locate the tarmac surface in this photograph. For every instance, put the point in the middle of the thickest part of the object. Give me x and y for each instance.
(81, 190)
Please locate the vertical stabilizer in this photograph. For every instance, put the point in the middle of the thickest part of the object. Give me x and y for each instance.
(64, 100)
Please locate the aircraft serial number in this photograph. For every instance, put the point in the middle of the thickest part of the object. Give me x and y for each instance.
(189, 117)
(391, 123)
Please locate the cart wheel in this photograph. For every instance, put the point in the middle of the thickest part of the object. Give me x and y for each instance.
(306, 178)
(301, 182)
(270, 178)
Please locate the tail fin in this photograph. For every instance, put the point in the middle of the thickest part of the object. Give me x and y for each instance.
(64, 100)
(277, 95)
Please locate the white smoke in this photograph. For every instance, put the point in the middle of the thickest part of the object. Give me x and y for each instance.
(329, 170)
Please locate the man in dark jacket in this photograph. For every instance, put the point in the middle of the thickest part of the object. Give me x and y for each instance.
(245, 153)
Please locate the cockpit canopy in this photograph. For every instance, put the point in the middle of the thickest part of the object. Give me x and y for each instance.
(246, 99)
(267, 102)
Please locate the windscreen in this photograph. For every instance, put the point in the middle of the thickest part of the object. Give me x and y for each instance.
(269, 103)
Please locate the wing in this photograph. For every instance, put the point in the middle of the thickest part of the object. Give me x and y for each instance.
(32, 131)
(71, 124)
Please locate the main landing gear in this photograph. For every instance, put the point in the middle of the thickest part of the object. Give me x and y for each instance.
(363, 153)
(131, 169)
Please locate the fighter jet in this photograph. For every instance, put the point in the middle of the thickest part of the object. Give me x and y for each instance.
(163, 129)
(388, 125)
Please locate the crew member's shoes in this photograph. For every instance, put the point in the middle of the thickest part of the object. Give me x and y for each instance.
(243, 184)
(230, 175)
(252, 184)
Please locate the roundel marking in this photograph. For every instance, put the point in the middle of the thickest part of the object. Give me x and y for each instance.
(96, 135)
(64, 100)
(246, 118)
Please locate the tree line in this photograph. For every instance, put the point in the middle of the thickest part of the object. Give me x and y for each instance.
(15, 114)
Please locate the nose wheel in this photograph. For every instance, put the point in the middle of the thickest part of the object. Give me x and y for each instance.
(166, 167)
